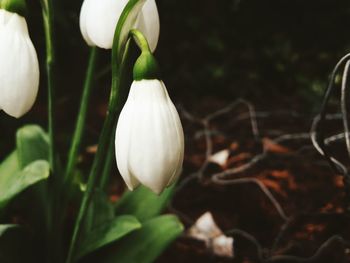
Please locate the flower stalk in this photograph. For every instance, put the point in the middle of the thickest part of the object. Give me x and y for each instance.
(105, 137)
(53, 231)
(47, 10)
(81, 119)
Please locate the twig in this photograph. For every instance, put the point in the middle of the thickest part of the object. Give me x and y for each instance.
(222, 177)
(316, 256)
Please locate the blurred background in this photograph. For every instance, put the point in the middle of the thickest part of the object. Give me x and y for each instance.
(276, 54)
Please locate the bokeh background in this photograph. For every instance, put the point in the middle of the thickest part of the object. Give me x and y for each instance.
(276, 53)
(272, 52)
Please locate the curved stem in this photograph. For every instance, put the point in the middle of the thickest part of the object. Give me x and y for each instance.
(80, 124)
(140, 40)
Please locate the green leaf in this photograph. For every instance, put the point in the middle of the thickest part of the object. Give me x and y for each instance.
(107, 233)
(13, 184)
(146, 244)
(9, 166)
(32, 145)
(100, 211)
(143, 203)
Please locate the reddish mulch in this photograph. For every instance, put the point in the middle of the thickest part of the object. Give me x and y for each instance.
(311, 195)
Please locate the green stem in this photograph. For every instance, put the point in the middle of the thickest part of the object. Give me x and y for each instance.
(124, 84)
(104, 140)
(108, 165)
(50, 65)
(80, 124)
(96, 167)
(140, 40)
(53, 236)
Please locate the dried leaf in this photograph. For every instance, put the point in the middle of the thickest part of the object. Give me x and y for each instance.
(205, 229)
(220, 157)
(271, 146)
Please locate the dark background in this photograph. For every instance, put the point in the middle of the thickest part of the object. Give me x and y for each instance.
(275, 53)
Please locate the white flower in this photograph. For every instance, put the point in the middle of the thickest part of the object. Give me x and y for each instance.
(99, 18)
(149, 137)
(19, 67)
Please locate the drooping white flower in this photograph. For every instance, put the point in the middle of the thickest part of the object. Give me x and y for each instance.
(99, 18)
(149, 137)
(19, 67)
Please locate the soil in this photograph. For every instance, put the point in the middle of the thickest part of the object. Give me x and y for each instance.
(302, 182)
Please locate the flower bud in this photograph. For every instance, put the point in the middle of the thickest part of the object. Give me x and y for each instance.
(99, 18)
(19, 67)
(149, 137)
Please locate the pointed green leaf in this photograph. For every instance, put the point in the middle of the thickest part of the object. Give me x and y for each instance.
(143, 203)
(99, 212)
(32, 145)
(9, 166)
(107, 233)
(13, 184)
(146, 244)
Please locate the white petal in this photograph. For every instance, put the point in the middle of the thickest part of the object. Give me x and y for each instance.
(5, 17)
(155, 145)
(180, 136)
(148, 23)
(82, 22)
(19, 68)
(101, 20)
(122, 141)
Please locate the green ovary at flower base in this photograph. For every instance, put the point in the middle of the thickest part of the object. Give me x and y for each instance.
(98, 19)
(149, 136)
(19, 67)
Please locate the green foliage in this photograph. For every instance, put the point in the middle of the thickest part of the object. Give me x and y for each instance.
(145, 244)
(102, 228)
(100, 211)
(143, 203)
(32, 144)
(13, 184)
(26, 166)
(107, 233)
(9, 166)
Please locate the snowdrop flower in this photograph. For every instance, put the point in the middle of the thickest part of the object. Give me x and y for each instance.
(99, 18)
(149, 137)
(19, 67)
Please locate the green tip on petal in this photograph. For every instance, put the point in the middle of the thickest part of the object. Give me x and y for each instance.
(146, 67)
(14, 6)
